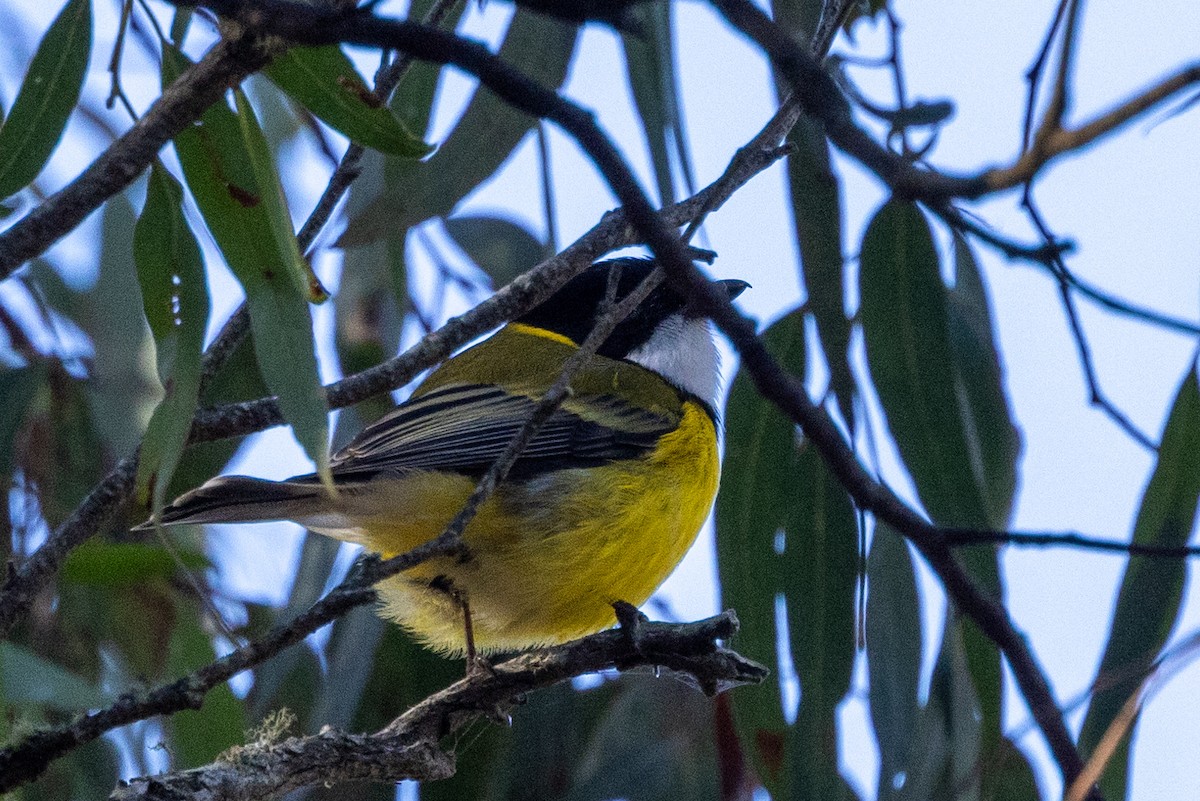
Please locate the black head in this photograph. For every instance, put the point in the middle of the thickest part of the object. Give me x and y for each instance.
(571, 311)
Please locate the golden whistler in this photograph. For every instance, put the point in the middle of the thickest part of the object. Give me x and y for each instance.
(599, 508)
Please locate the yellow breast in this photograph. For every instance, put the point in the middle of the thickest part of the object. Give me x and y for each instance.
(550, 554)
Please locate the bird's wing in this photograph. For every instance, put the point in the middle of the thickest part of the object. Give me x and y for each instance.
(464, 427)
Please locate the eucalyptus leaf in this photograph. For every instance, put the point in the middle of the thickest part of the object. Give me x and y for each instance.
(500, 247)
(482, 140)
(47, 95)
(757, 494)
(227, 165)
(894, 648)
(31, 679)
(906, 325)
(1152, 590)
(324, 81)
(175, 296)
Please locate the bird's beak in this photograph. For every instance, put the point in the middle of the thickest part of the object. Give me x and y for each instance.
(734, 286)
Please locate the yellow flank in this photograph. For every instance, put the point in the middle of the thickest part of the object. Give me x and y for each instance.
(549, 555)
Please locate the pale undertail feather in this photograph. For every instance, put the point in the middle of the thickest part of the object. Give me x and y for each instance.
(241, 499)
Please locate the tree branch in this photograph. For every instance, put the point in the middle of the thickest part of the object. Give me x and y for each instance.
(408, 747)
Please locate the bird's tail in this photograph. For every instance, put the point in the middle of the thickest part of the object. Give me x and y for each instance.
(241, 499)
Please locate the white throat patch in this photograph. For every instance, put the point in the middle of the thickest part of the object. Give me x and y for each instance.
(683, 352)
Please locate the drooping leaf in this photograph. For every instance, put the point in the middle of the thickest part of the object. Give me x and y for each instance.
(324, 81)
(905, 323)
(944, 754)
(412, 100)
(1148, 603)
(894, 648)
(815, 194)
(500, 247)
(227, 165)
(30, 679)
(480, 143)
(907, 326)
(124, 564)
(752, 507)
(175, 296)
(48, 94)
(820, 555)
(198, 736)
(650, 70)
(992, 436)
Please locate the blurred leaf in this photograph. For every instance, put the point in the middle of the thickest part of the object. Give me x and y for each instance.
(816, 204)
(1015, 779)
(647, 741)
(317, 557)
(198, 736)
(945, 758)
(227, 166)
(121, 387)
(820, 573)
(350, 656)
(752, 507)
(499, 247)
(48, 94)
(18, 387)
(324, 81)
(29, 679)
(484, 138)
(650, 69)
(412, 100)
(175, 296)
(905, 323)
(992, 436)
(894, 648)
(939, 407)
(1152, 590)
(124, 564)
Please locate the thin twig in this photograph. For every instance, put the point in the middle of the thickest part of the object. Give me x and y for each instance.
(962, 537)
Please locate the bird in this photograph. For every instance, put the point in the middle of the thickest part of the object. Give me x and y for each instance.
(597, 510)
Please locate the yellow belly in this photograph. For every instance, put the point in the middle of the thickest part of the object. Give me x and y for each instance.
(548, 555)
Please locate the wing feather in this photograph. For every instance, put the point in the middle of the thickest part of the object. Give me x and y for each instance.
(465, 427)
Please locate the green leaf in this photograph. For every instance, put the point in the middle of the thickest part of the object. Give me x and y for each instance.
(122, 389)
(905, 323)
(945, 758)
(18, 387)
(1152, 589)
(752, 507)
(324, 81)
(30, 679)
(124, 564)
(501, 248)
(894, 648)
(650, 70)
(175, 296)
(228, 168)
(198, 736)
(992, 436)
(412, 100)
(820, 579)
(274, 203)
(484, 138)
(47, 95)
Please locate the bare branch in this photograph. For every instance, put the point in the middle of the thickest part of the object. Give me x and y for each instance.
(408, 747)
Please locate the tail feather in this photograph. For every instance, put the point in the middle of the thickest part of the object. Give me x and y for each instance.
(241, 499)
